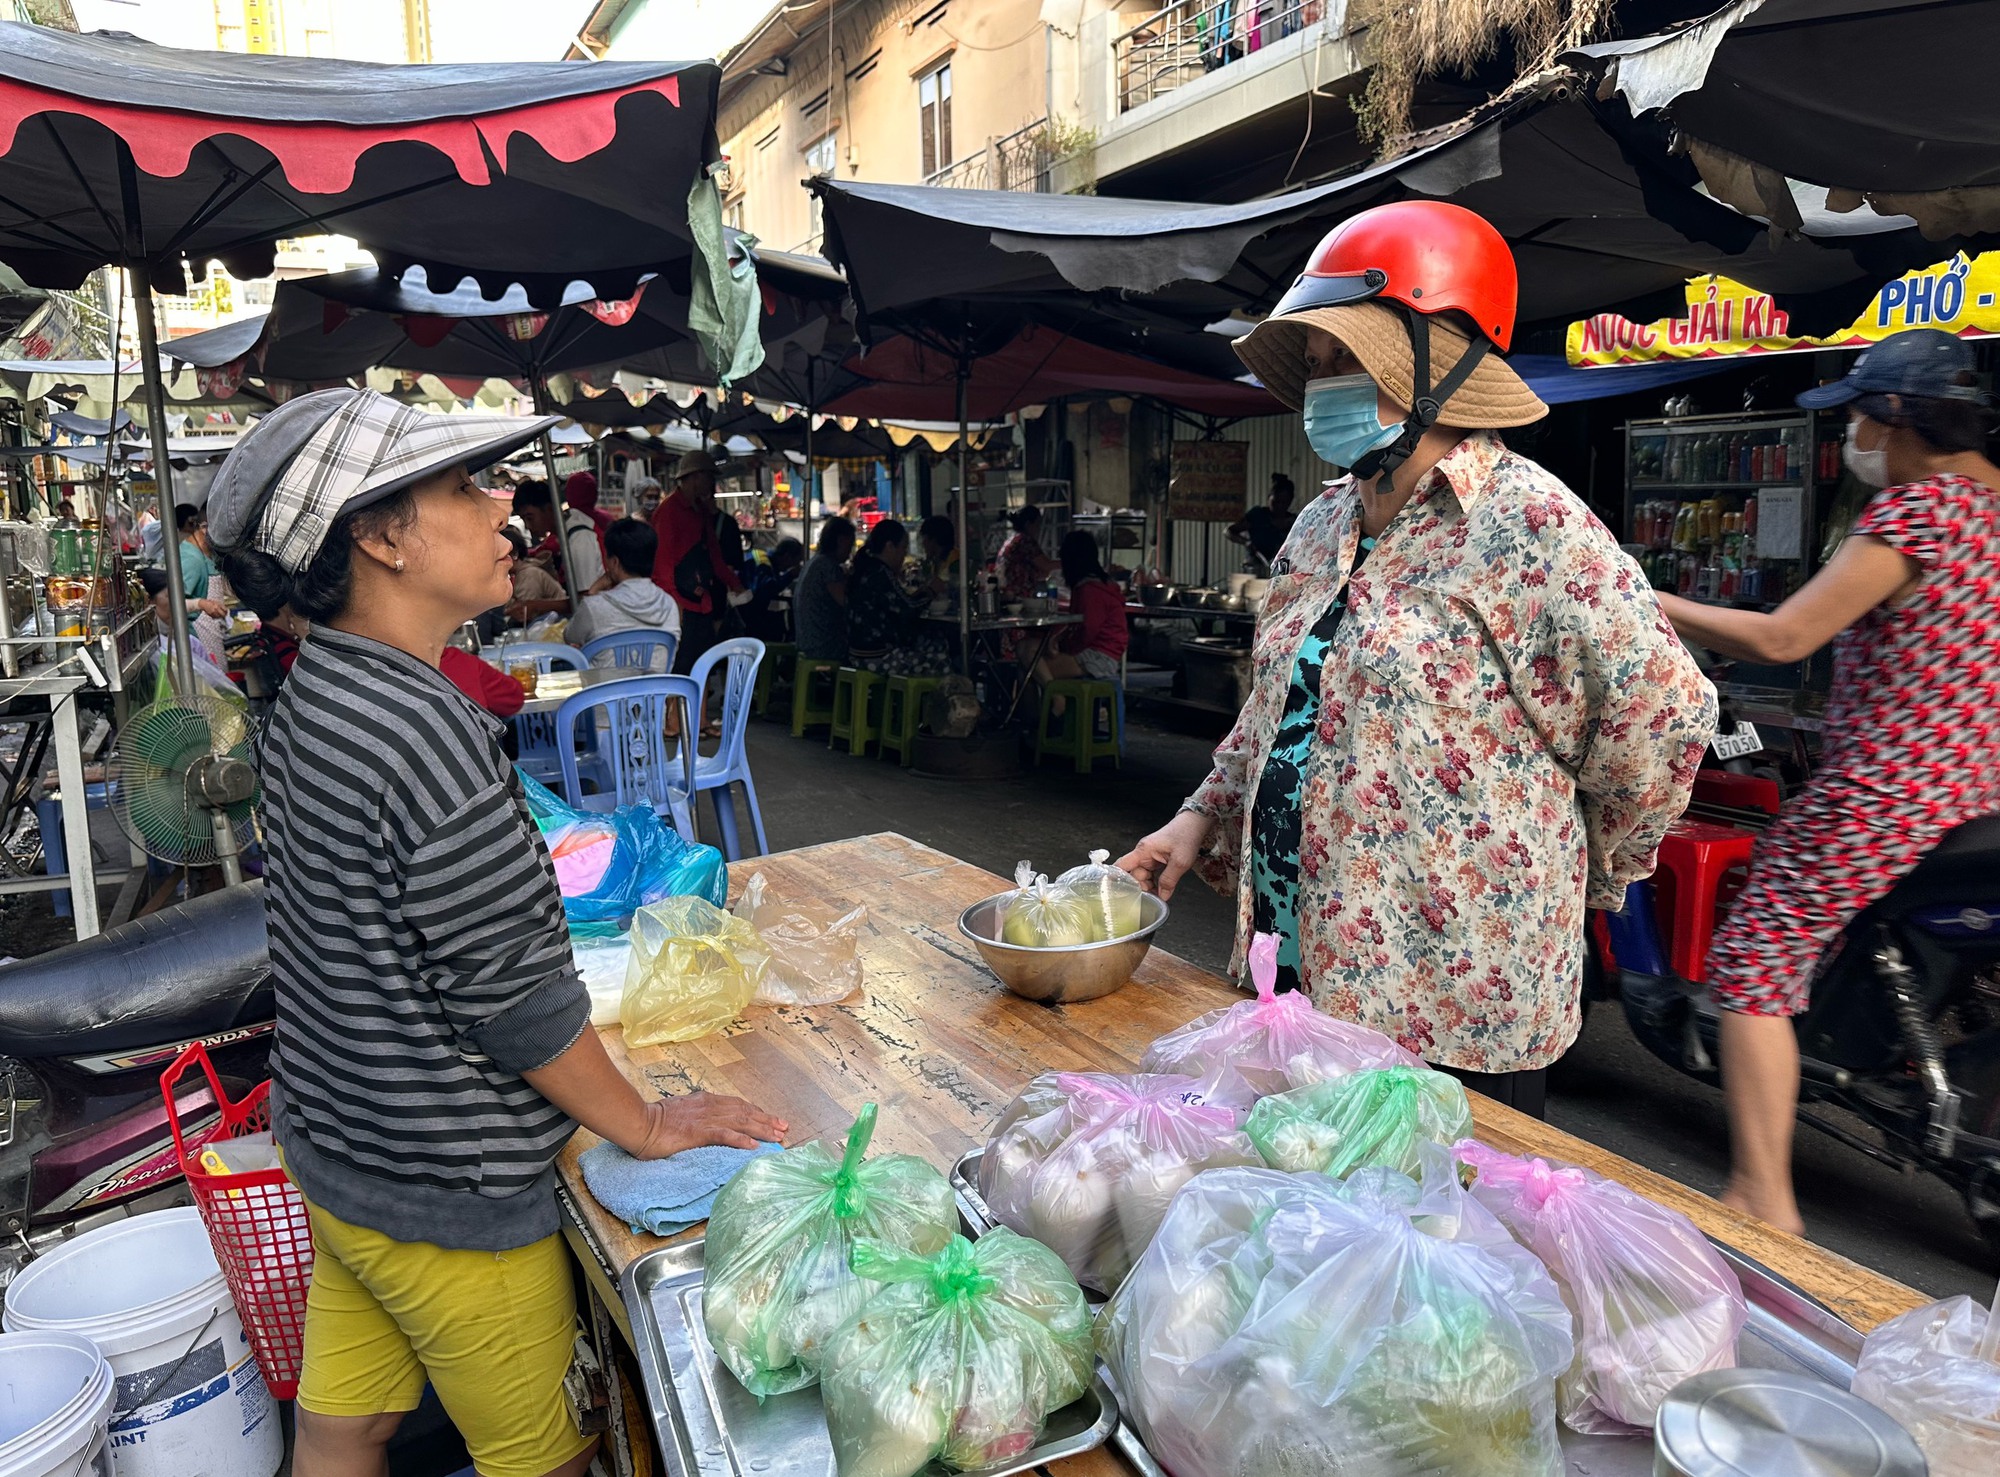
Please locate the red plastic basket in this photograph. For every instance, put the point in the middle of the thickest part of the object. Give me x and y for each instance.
(257, 1224)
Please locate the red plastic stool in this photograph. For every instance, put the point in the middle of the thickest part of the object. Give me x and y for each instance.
(1692, 885)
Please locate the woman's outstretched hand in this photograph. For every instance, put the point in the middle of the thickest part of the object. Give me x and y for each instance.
(1160, 860)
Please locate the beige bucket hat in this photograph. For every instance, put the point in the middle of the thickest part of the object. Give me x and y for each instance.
(1493, 396)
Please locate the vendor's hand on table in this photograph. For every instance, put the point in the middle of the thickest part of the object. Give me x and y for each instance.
(698, 1118)
(1160, 860)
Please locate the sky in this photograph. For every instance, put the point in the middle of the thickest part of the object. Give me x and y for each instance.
(472, 30)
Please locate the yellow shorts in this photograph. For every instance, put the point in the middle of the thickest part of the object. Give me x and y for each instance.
(493, 1332)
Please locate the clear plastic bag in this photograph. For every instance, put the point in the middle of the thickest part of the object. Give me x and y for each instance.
(1653, 1301)
(608, 866)
(1377, 1117)
(1925, 1369)
(778, 1282)
(693, 970)
(602, 961)
(961, 1356)
(1086, 1164)
(1041, 915)
(1112, 896)
(1293, 1324)
(1273, 1043)
(815, 952)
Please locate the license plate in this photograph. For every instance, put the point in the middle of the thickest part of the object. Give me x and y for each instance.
(1735, 745)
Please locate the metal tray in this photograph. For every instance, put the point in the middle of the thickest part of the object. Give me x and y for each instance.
(708, 1425)
(1787, 1329)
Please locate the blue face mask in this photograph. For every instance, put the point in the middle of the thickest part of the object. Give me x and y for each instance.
(1341, 419)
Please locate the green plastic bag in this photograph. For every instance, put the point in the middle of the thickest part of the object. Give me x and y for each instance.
(777, 1281)
(1378, 1117)
(961, 1356)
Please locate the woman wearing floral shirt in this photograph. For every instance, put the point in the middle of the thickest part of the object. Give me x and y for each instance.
(1469, 720)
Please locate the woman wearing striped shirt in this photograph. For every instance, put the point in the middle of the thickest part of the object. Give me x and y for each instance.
(433, 1045)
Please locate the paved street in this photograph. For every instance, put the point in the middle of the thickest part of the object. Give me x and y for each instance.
(1608, 1089)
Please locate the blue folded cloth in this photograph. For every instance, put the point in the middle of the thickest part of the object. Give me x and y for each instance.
(663, 1195)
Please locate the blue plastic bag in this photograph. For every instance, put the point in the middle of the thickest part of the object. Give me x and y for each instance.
(609, 864)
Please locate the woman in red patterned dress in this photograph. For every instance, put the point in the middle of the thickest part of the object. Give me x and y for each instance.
(1912, 600)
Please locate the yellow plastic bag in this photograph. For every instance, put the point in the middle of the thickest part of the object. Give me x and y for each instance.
(694, 968)
(815, 951)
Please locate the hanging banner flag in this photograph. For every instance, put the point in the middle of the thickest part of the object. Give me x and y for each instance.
(615, 314)
(523, 327)
(1725, 318)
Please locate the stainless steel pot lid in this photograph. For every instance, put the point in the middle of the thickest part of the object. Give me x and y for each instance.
(1763, 1422)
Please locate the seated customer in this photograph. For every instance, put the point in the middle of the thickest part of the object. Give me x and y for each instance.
(879, 616)
(767, 583)
(940, 545)
(625, 597)
(819, 605)
(1095, 648)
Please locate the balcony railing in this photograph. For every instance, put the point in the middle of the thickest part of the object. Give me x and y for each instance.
(1020, 161)
(1191, 38)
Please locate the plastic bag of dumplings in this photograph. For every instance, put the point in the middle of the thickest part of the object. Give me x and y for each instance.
(1044, 915)
(778, 1282)
(1294, 1324)
(961, 1356)
(1113, 897)
(1086, 1163)
(1654, 1302)
(1371, 1118)
(1273, 1043)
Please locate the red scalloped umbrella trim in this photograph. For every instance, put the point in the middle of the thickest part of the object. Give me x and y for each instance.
(320, 158)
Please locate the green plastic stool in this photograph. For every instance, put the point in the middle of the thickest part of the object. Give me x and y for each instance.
(805, 712)
(857, 711)
(902, 711)
(1076, 730)
(779, 659)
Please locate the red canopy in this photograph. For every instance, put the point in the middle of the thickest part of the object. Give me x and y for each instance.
(910, 380)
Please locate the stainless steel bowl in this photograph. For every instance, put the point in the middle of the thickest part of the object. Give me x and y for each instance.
(1059, 976)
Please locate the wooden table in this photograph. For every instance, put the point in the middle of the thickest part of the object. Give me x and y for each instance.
(941, 1048)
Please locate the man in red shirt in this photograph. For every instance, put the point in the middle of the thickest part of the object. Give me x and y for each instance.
(690, 565)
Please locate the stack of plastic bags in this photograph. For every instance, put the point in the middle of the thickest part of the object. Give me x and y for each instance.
(1091, 904)
(1086, 1164)
(778, 1281)
(961, 1356)
(1273, 1043)
(693, 969)
(1370, 1118)
(1653, 1301)
(1286, 1323)
(609, 865)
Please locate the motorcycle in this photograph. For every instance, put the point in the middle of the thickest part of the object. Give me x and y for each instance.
(85, 1032)
(1903, 1029)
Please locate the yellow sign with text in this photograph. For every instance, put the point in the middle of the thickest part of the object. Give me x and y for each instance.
(1725, 318)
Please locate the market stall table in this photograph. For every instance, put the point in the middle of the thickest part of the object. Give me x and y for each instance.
(941, 1048)
(1041, 628)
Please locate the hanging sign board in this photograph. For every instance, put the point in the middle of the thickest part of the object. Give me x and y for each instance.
(1210, 481)
(1725, 319)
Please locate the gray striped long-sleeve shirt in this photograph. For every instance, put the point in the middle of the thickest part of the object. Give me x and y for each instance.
(419, 952)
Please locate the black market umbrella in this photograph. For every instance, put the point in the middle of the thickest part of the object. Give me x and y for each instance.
(115, 151)
(1855, 96)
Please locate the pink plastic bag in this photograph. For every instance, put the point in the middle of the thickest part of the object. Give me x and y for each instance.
(1273, 1043)
(1086, 1163)
(1653, 1301)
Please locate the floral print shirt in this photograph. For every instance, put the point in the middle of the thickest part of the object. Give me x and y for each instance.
(1507, 726)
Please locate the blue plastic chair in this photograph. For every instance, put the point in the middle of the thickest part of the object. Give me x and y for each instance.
(535, 733)
(638, 763)
(634, 649)
(730, 763)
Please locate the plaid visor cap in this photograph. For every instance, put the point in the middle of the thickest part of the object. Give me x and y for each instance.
(324, 454)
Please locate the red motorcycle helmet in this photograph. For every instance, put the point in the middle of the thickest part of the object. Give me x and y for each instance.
(1429, 256)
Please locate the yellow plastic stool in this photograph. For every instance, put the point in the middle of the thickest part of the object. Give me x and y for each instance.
(1076, 730)
(779, 658)
(902, 711)
(806, 713)
(857, 710)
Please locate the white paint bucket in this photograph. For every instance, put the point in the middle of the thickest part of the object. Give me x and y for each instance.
(149, 1293)
(55, 1403)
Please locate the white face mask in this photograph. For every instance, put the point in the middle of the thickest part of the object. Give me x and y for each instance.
(1871, 467)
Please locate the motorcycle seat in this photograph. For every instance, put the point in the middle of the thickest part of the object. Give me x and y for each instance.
(193, 970)
(1960, 871)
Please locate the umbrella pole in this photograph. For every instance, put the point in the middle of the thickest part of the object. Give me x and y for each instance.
(964, 545)
(180, 651)
(806, 512)
(541, 390)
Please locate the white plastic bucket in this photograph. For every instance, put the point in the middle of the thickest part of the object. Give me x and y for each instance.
(55, 1403)
(149, 1293)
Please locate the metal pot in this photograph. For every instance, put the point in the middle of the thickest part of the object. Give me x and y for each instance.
(1060, 976)
(1156, 594)
(1766, 1420)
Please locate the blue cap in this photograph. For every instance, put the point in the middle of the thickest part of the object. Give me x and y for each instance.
(1921, 363)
